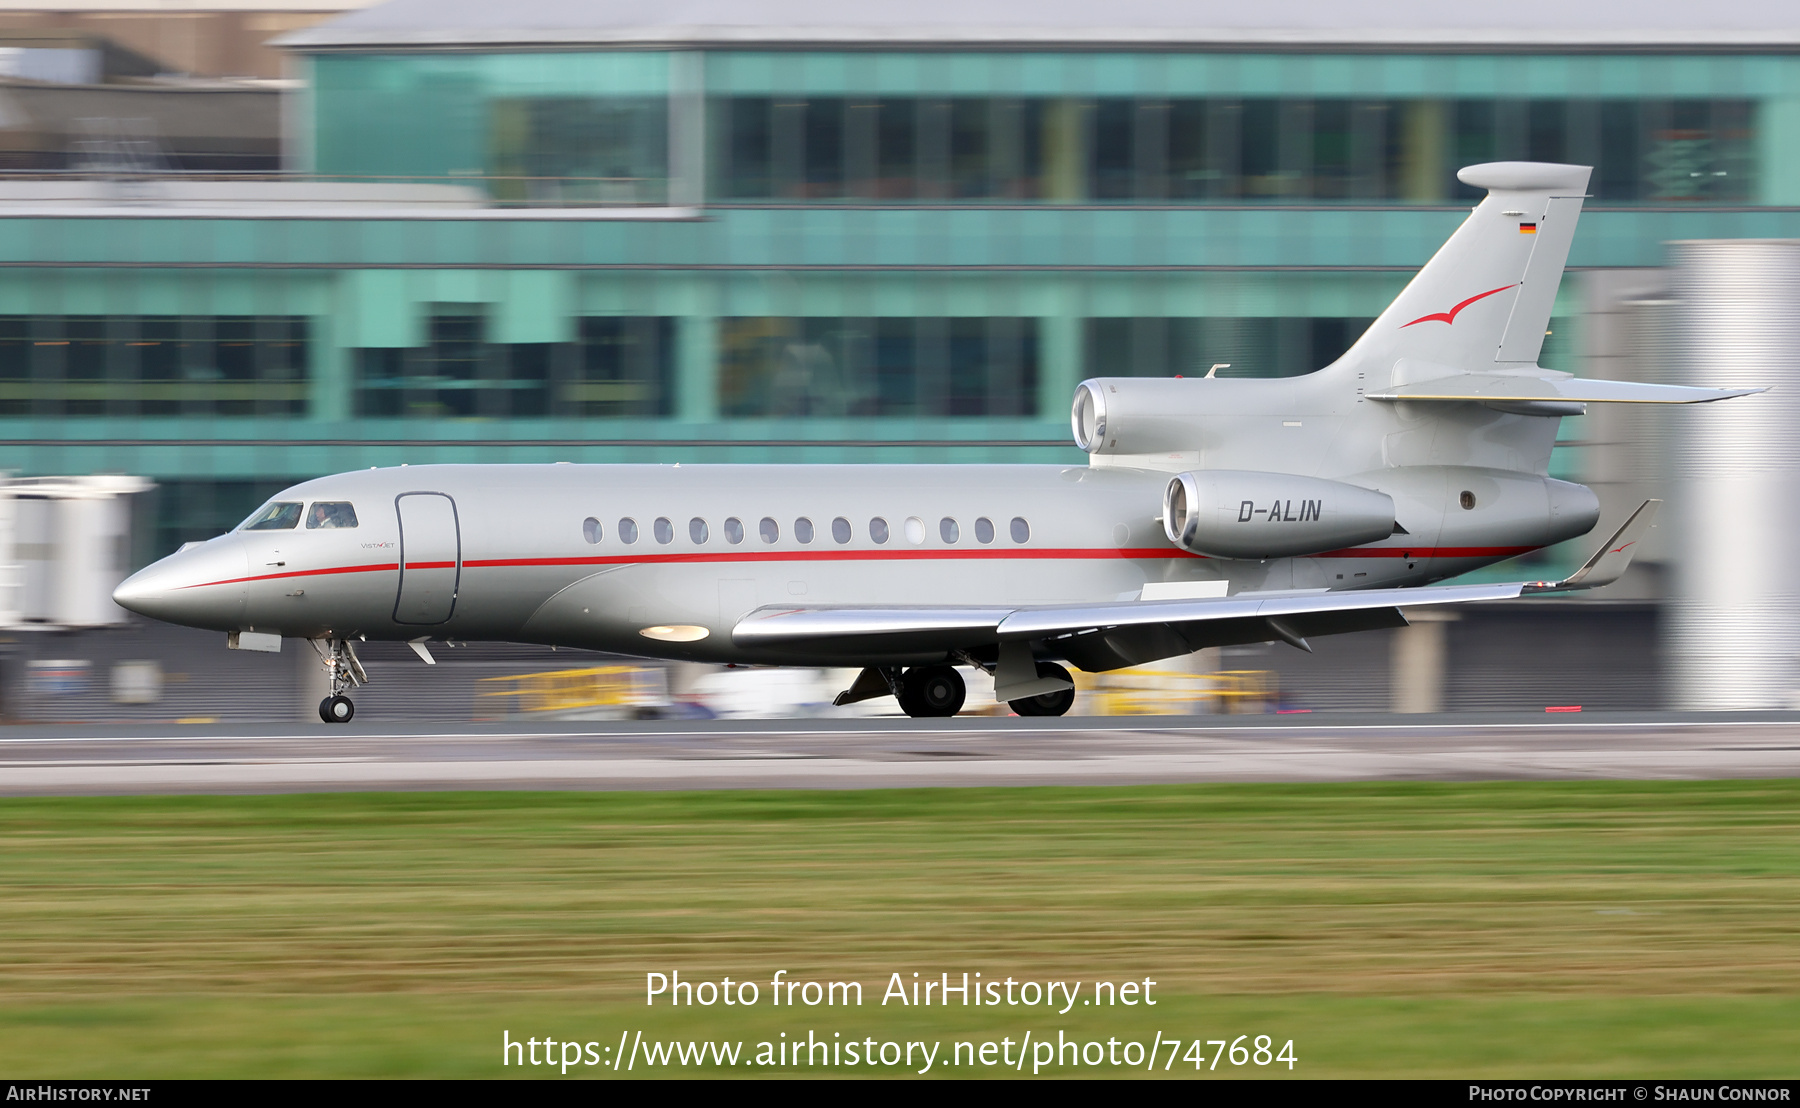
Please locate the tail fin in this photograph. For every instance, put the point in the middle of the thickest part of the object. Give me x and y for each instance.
(1485, 296)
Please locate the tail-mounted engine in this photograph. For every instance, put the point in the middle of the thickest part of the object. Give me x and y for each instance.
(1242, 514)
(1139, 415)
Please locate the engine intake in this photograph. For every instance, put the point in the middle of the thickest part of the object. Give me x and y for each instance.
(1244, 514)
(1151, 415)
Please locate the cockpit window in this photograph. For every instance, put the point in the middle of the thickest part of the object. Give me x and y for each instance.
(283, 515)
(331, 513)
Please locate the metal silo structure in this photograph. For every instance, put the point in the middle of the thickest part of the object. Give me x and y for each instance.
(1734, 613)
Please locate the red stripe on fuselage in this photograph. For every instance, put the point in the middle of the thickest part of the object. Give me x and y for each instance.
(1140, 553)
(298, 573)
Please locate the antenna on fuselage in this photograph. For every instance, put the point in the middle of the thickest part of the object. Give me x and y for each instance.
(1217, 366)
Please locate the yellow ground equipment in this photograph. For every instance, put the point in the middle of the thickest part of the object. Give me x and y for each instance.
(598, 692)
(1155, 692)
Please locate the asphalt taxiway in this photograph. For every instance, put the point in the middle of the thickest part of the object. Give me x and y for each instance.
(892, 753)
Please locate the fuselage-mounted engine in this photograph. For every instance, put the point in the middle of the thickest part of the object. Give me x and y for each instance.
(1244, 514)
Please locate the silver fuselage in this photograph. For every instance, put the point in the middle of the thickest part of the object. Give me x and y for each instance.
(507, 557)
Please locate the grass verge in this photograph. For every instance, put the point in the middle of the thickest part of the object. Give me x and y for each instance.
(1493, 929)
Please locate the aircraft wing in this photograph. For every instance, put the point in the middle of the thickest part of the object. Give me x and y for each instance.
(1507, 388)
(1110, 634)
(924, 628)
(1609, 562)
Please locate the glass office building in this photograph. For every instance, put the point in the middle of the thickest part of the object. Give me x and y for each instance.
(823, 240)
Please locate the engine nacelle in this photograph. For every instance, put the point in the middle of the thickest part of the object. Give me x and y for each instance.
(1243, 514)
(1156, 415)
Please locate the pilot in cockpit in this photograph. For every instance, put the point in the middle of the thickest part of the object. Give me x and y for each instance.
(334, 514)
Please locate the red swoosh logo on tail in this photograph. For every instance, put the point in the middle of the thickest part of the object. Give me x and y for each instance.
(1450, 316)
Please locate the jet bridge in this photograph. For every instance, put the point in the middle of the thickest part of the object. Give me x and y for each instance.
(65, 544)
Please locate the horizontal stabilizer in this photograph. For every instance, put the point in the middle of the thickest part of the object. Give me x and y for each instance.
(1482, 388)
(1609, 562)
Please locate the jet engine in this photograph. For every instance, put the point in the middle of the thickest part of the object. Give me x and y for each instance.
(1243, 514)
(1150, 415)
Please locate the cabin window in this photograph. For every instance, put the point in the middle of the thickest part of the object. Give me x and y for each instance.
(697, 531)
(984, 530)
(331, 514)
(283, 515)
(664, 530)
(628, 530)
(734, 530)
(948, 530)
(1021, 531)
(590, 529)
(878, 530)
(769, 530)
(915, 530)
(803, 529)
(840, 530)
(1467, 500)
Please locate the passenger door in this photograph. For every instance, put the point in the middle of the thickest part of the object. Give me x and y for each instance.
(430, 558)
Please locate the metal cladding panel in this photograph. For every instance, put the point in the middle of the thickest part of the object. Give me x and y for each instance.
(1734, 639)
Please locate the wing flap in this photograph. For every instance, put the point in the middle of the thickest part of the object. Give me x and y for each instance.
(1037, 623)
(902, 629)
(1482, 388)
(894, 628)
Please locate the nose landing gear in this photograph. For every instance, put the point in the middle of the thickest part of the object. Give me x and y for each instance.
(338, 656)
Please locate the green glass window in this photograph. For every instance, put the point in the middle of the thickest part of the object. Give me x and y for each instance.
(1269, 346)
(1220, 149)
(126, 366)
(823, 367)
(570, 151)
(618, 366)
(623, 366)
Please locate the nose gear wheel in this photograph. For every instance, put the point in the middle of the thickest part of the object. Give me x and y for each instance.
(338, 656)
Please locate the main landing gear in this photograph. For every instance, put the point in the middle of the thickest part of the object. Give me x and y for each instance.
(1046, 704)
(338, 656)
(937, 691)
(931, 692)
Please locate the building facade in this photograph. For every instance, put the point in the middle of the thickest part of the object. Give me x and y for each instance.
(811, 242)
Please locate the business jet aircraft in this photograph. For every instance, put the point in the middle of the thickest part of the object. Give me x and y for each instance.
(1211, 511)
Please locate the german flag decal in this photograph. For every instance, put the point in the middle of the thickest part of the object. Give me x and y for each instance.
(1527, 228)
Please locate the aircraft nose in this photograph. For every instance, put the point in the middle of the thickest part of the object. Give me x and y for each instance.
(199, 586)
(140, 592)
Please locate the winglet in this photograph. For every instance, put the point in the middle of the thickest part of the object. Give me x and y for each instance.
(1609, 562)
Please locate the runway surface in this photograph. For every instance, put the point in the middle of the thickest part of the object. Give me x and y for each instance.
(896, 753)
